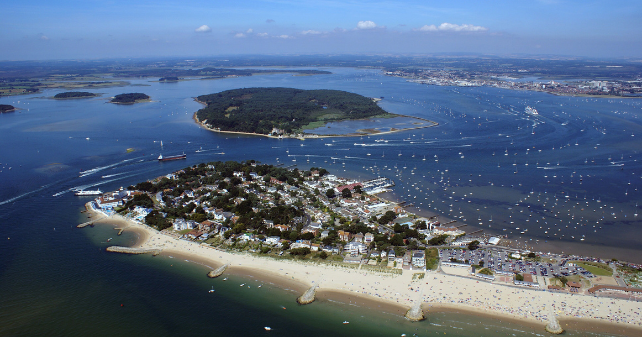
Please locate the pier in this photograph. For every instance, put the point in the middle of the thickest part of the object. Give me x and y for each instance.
(89, 223)
(218, 271)
(308, 296)
(132, 250)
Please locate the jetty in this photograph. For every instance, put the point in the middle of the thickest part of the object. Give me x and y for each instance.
(308, 296)
(91, 222)
(553, 325)
(132, 250)
(218, 271)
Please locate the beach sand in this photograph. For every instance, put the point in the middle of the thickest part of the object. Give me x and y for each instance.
(396, 293)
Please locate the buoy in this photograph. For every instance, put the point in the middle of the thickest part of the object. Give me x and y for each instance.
(122, 305)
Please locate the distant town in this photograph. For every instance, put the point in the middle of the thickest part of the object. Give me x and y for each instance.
(465, 78)
(312, 215)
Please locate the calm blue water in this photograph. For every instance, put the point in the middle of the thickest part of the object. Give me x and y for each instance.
(57, 280)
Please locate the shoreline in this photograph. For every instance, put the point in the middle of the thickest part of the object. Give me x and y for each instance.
(395, 293)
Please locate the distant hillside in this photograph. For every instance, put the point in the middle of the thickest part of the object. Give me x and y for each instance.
(260, 110)
(6, 108)
(130, 98)
(74, 94)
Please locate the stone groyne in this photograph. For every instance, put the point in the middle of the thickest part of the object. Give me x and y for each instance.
(218, 271)
(131, 250)
(553, 325)
(415, 313)
(308, 296)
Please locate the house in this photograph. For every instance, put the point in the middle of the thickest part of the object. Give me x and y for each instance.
(369, 237)
(344, 236)
(193, 234)
(419, 259)
(355, 248)
(182, 224)
(325, 233)
(391, 256)
(282, 227)
(272, 240)
(314, 247)
(358, 237)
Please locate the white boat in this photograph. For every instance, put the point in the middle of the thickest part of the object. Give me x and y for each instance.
(531, 111)
(211, 290)
(346, 322)
(267, 328)
(88, 192)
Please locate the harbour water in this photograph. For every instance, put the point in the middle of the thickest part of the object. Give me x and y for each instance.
(568, 178)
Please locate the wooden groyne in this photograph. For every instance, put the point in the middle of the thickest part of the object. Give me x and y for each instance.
(132, 250)
(218, 271)
(308, 296)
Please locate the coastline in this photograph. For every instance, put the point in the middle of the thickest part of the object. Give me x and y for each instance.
(395, 294)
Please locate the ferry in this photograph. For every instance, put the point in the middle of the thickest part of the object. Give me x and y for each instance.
(177, 157)
(531, 111)
(88, 192)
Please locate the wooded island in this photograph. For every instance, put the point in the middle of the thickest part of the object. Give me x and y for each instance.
(74, 94)
(277, 111)
(130, 98)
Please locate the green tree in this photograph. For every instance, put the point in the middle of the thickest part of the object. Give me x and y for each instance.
(473, 245)
(346, 193)
(330, 193)
(323, 255)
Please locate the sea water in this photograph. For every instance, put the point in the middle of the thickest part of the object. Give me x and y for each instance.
(581, 181)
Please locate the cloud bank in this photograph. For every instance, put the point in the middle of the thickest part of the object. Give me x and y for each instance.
(366, 25)
(451, 27)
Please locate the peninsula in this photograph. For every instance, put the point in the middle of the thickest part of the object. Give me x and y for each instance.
(282, 111)
(75, 94)
(6, 108)
(321, 232)
(130, 98)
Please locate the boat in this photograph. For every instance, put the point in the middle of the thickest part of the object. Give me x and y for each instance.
(346, 322)
(211, 290)
(531, 111)
(177, 157)
(109, 239)
(267, 328)
(88, 192)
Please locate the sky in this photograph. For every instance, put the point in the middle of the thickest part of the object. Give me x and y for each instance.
(98, 29)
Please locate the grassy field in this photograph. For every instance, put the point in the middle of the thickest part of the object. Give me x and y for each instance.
(432, 258)
(599, 269)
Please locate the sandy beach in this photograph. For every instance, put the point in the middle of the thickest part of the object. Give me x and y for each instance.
(396, 293)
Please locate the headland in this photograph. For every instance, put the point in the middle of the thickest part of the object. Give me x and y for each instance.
(346, 264)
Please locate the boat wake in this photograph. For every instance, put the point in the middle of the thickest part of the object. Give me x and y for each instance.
(101, 168)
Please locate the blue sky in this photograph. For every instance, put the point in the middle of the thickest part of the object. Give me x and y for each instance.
(55, 29)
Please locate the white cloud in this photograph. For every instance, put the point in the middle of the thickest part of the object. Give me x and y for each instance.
(284, 36)
(451, 27)
(310, 32)
(239, 35)
(262, 34)
(44, 38)
(366, 25)
(249, 31)
(203, 29)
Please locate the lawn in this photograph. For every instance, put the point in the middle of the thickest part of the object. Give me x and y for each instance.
(599, 269)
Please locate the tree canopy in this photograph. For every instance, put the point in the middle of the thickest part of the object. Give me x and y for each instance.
(260, 110)
(6, 108)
